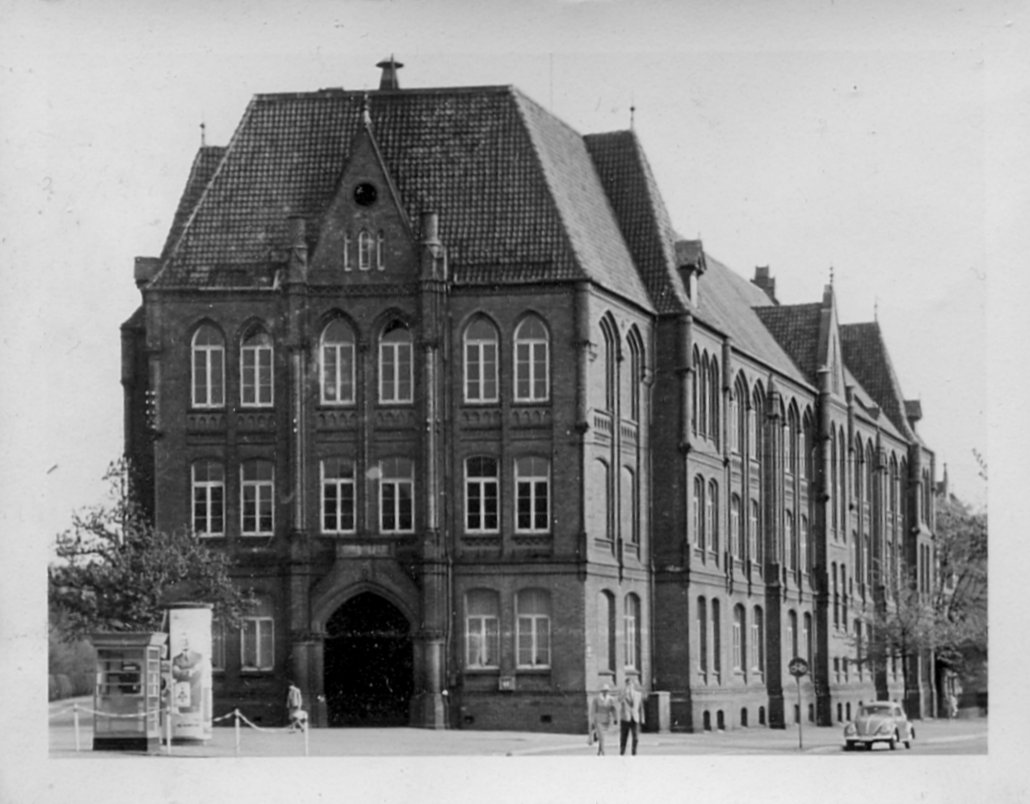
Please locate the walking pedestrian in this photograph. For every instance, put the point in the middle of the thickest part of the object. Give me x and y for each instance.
(603, 713)
(295, 706)
(631, 714)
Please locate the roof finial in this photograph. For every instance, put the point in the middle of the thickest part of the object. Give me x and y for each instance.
(388, 79)
(632, 111)
(203, 134)
(831, 276)
(366, 118)
(876, 308)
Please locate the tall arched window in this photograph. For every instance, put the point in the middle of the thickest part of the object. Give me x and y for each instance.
(366, 247)
(790, 540)
(834, 492)
(337, 364)
(631, 632)
(533, 627)
(806, 637)
(482, 619)
(739, 640)
(208, 482)
(256, 370)
(257, 497)
(754, 546)
(208, 368)
(716, 640)
(698, 512)
(791, 643)
(337, 495)
(742, 415)
(695, 392)
(629, 507)
(397, 496)
(532, 495)
(606, 631)
(532, 361)
(794, 438)
(754, 429)
(736, 534)
(714, 401)
(599, 511)
(481, 361)
(758, 641)
(633, 377)
(396, 366)
(842, 477)
(860, 493)
(805, 557)
(610, 347)
(703, 395)
(481, 495)
(712, 516)
(702, 636)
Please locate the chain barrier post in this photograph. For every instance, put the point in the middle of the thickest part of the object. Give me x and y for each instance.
(307, 745)
(236, 712)
(75, 716)
(168, 730)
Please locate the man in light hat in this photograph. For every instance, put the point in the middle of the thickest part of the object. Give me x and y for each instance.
(603, 713)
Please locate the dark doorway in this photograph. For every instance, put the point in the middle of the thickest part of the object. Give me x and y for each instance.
(368, 664)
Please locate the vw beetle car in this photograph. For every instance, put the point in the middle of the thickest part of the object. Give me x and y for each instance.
(879, 722)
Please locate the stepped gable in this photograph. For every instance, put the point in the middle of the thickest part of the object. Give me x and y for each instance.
(731, 305)
(516, 192)
(205, 163)
(643, 218)
(796, 328)
(865, 355)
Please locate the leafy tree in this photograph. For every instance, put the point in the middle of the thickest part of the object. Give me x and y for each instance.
(116, 572)
(951, 620)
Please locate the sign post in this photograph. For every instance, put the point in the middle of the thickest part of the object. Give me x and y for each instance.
(798, 667)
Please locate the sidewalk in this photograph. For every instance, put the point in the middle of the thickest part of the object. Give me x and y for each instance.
(371, 742)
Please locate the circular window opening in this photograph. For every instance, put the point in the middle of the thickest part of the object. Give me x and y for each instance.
(365, 194)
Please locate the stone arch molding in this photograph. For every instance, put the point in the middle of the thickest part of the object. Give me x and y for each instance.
(350, 579)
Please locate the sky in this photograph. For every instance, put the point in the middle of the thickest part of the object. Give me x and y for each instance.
(879, 140)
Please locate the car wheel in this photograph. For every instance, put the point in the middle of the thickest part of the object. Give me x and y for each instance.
(849, 745)
(869, 746)
(894, 741)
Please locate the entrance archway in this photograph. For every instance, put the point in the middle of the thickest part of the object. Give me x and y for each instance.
(369, 664)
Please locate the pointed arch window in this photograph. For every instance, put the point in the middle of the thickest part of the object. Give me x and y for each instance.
(256, 370)
(366, 248)
(337, 364)
(696, 392)
(758, 641)
(532, 361)
(698, 519)
(611, 364)
(631, 632)
(481, 361)
(736, 534)
(739, 641)
(379, 250)
(396, 368)
(712, 517)
(208, 368)
(633, 376)
(714, 402)
(754, 547)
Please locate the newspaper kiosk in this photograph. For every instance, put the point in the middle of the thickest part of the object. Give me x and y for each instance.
(127, 696)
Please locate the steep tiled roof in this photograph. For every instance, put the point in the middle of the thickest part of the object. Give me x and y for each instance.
(513, 186)
(730, 304)
(865, 356)
(205, 163)
(796, 328)
(643, 218)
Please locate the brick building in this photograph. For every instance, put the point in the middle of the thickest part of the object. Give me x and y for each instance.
(481, 432)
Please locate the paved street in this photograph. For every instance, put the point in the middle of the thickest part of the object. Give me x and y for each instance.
(938, 737)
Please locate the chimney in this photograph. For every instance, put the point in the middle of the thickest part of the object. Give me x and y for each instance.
(388, 80)
(690, 261)
(765, 282)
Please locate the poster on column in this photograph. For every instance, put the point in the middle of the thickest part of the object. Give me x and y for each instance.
(189, 639)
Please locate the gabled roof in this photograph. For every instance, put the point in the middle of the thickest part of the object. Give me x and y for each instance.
(732, 305)
(643, 218)
(866, 358)
(514, 187)
(796, 329)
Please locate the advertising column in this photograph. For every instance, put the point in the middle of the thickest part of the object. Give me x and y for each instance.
(189, 639)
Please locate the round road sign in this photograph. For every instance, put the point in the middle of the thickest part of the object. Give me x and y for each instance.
(798, 666)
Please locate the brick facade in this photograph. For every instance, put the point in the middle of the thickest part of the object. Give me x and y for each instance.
(456, 379)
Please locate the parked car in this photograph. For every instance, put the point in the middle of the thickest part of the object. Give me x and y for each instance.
(879, 722)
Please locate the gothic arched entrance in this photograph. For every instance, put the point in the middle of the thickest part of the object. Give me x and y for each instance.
(369, 665)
